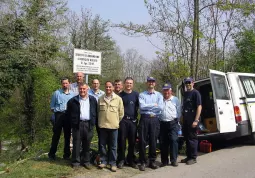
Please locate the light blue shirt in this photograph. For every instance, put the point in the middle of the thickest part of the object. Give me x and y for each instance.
(74, 87)
(96, 95)
(59, 100)
(147, 102)
(171, 109)
(84, 108)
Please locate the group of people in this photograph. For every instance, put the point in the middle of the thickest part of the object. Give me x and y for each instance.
(114, 112)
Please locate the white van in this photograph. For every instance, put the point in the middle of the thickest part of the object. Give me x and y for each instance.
(228, 104)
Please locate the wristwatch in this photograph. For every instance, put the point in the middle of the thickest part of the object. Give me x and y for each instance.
(196, 121)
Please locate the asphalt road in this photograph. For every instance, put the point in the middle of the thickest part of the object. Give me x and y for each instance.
(235, 161)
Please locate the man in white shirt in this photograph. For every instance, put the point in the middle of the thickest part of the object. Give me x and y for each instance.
(82, 112)
(169, 127)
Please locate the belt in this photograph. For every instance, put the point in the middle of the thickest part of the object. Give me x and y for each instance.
(189, 110)
(149, 115)
(129, 118)
(60, 112)
(175, 120)
(84, 121)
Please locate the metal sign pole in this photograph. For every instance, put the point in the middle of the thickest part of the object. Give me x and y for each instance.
(87, 79)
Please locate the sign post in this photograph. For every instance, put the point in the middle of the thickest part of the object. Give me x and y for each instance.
(87, 62)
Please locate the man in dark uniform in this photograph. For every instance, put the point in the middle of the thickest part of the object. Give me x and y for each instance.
(128, 125)
(192, 107)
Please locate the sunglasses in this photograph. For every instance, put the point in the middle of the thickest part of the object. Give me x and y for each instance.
(188, 82)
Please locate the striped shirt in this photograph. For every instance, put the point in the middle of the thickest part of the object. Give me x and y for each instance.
(171, 109)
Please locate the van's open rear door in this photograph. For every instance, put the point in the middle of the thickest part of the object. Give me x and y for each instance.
(222, 102)
(248, 83)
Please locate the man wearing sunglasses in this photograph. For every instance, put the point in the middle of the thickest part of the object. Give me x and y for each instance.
(192, 107)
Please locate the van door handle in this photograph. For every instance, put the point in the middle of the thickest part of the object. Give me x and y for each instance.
(227, 102)
(221, 112)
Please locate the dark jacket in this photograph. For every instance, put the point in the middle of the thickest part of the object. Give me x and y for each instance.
(73, 111)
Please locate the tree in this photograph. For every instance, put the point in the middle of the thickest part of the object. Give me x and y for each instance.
(91, 33)
(245, 43)
(135, 65)
(188, 29)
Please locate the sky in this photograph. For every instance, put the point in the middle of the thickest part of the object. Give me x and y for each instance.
(122, 11)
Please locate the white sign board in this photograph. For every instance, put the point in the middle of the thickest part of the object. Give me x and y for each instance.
(87, 62)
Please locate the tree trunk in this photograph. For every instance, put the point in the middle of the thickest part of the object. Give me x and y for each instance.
(198, 41)
(193, 44)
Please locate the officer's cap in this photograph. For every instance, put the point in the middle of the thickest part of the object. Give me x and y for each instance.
(188, 79)
(166, 86)
(151, 79)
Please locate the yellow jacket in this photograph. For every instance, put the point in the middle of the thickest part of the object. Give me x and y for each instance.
(110, 114)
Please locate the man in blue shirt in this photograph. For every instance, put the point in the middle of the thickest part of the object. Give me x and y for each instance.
(95, 91)
(128, 125)
(169, 127)
(151, 105)
(74, 87)
(58, 105)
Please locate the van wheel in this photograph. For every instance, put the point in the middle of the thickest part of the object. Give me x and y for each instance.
(252, 136)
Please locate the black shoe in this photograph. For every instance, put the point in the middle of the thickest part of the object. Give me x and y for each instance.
(87, 166)
(52, 158)
(142, 167)
(133, 165)
(152, 165)
(75, 165)
(184, 160)
(120, 165)
(163, 164)
(191, 161)
(66, 158)
(174, 164)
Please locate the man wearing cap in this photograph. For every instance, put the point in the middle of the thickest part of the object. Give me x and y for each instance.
(151, 105)
(169, 126)
(192, 107)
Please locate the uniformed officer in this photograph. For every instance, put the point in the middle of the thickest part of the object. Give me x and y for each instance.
(128, 125)
(192, 107)
(151, 105)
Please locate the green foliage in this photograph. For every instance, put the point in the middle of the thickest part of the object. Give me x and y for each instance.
(165, 70)
(245, 43)
(44, 83)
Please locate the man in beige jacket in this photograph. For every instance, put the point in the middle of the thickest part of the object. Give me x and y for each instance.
(111, 111)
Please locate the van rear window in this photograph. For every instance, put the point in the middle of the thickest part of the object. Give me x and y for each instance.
(220, 87)
(248, 83)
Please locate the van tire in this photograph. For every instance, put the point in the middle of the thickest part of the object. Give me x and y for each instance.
(252, 136)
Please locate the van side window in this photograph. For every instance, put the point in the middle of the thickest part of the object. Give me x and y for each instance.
(220, 87)
(248, 83)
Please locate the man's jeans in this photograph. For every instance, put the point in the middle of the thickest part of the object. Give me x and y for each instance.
(108, 137)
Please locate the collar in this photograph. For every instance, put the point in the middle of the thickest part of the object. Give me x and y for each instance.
(84, 99)
(113, 95)
(99, 91)
(169, 99)
(153, 92)
(62, 91)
